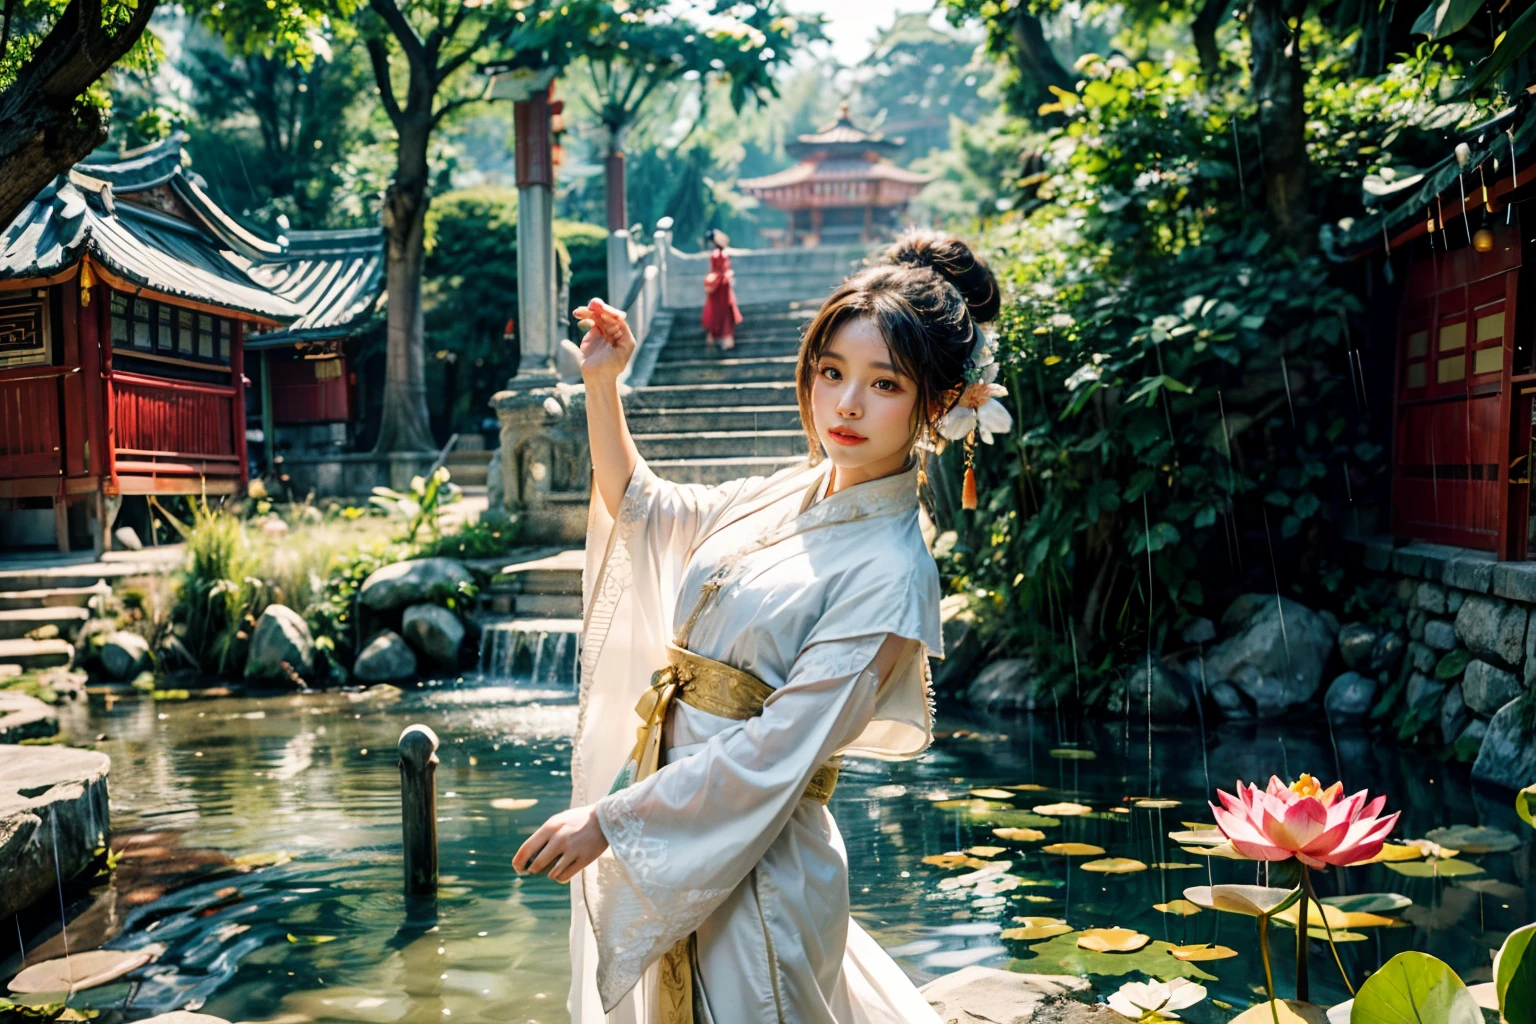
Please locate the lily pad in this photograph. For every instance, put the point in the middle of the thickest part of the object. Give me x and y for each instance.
(1474, 838)
(1430, 848)
(1020, 819)
(82, 970)
(1369, 902)
(950, 861)
(1112, 940)
(1114, 865)
(513, 803)
(1027, 787)
(1436, 868)
(972, 805)
(985, 851)
(1286, 1011)
(1415, 988)
(1073, 849)
(1062, 955)
(1181, 908)
(1392, 853)
(1019, 835)
(1199, 837)
(1335, 917)
(1226, 851)
(1035, 929)
(992, 794)
(1339, 935)
(1252, 900)
(1073, 754)
(1062, 810)
(1155, 805)
(1201, 952)
(264, 860)
(1165, 865)
(1038, 899)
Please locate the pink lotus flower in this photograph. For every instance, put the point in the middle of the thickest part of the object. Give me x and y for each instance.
(1304, 821)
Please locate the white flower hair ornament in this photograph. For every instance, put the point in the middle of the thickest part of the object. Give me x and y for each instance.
(977, 410)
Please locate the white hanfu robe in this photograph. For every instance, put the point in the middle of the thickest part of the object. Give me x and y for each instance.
(719, 842)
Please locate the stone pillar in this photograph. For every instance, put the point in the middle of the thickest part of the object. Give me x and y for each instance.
(536, 295)
(619, 267)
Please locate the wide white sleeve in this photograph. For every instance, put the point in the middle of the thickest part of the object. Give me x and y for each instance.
(667, 517)
(681, 840)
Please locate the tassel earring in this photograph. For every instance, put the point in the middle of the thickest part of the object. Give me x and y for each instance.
(968, 492)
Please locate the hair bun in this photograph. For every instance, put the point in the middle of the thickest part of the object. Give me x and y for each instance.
(954, 261)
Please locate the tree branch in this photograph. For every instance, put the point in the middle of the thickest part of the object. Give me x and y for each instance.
(378, 56)
(451, 106)
(1035, 58)
(1204, 31)
(400, 27)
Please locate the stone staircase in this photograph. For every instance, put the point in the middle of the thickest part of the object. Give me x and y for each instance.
(709, 416)
(42, 591)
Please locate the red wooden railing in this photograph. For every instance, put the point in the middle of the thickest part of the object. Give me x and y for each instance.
(30, 439)
(173, 427)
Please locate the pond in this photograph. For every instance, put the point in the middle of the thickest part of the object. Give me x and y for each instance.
(258, 844)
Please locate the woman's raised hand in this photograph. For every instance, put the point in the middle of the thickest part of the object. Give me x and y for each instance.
(608, 343)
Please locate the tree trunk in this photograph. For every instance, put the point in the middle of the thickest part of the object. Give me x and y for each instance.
(1277, 86)
(44, 127)
(1037, 62)
(614, 183)
(404, 426)
(1204, 31)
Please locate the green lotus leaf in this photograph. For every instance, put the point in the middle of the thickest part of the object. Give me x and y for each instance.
(1415, 988)
(1062, 955)
(1369, 902)
(1514, 975)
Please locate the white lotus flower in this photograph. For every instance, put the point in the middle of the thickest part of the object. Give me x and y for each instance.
(977, 408)
(1144, 1000)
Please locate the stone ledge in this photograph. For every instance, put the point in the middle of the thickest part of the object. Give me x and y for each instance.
(48, 792)
(1515, 580)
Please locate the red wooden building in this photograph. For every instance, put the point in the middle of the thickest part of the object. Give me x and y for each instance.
(844, 189)
(126, 295)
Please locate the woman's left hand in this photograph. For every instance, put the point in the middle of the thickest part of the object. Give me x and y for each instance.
(563, 845)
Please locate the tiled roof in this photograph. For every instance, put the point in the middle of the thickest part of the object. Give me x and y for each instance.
(808, 171)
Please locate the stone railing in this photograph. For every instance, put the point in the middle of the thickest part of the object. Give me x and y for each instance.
(763, 276)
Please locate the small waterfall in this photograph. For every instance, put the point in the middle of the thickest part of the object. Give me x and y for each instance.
(522, 652)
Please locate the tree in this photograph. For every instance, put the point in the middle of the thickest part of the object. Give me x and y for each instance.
(53, 110)
(918, 78)
(632, 50)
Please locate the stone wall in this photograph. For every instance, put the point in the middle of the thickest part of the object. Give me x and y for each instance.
(1470, 659)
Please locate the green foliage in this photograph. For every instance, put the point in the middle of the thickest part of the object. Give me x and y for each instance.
(1179, 380)
(1414, 988)
(220, 593)
(1453, 664)
(32, 685)
(480, 539)
(421, 507)
(1514, 975)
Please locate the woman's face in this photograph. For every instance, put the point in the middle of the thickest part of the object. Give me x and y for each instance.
(863, 408)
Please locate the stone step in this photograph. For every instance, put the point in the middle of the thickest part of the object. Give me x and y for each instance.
(719, 471)
(36, 654)
(720, 444)
(55, 597)
(746, 417)
(547, 606)
(556, 575)
(16, 623)
(693, 351)
(725, 371)
(713, 395)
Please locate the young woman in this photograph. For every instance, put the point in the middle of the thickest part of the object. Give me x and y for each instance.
(721, 314)
(791, 620)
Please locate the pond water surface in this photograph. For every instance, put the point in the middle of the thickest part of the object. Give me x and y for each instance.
(259, 844)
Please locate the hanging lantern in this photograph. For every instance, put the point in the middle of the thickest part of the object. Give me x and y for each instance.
(1482, 240)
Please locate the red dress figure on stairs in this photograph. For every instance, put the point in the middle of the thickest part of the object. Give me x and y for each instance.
(721, 314)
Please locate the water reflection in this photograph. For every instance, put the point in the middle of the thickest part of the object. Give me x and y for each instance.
(259, 845)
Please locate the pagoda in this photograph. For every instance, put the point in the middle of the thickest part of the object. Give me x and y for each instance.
(845, 189)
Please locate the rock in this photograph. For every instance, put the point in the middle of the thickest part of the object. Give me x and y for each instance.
(1172, 695)
(1453, 714)
(987, 995)
(1276, 668)
(43, 789)
(1357, 642)
(386, 658)
(1487, 689)
(124, 654)
(25, 718)
(1453, 601)
(495, 487)
(1199, 631)
(1421, 656)
(411, 582)
(1422, 689)
(1350, 696)
(1014, 684)
(1472, 736)
(962, 649)
(175, 655)
(1508, 755)
(81, 971)
(435, 632)
(1416, 620)
(1230, 700)
(125, 536)
(1439, 635)
(1492, 628)
(1430, 597)
(281, 635)
(1530, 659)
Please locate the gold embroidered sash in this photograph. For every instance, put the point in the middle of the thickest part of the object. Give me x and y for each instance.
(719, 689)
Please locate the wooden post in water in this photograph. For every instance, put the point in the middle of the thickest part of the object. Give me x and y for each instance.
(418, 809)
